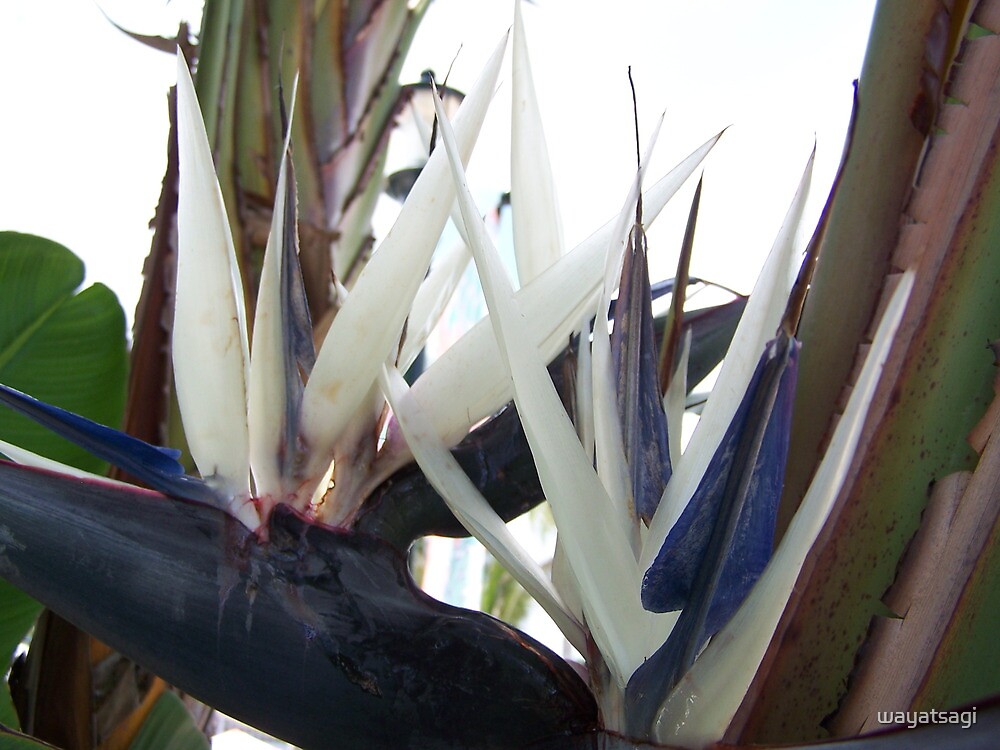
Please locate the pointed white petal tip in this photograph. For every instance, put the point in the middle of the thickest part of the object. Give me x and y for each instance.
(267, 389)
(599, 553)
(538, 241)
(757, 325)
(210, 350)
(368, 326)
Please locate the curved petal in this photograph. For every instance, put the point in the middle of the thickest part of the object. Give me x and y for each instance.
(700, 708)
(368, 326)
(210, 349)
(468, 382)
(538, 241)
(471, 508)
(757, 326)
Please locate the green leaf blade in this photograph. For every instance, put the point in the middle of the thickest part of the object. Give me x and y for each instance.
(169, 726)
(70, 350)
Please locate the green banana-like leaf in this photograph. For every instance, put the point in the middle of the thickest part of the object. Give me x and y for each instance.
(169, 727)
(11, 739)
(68, 346)
(18, 613)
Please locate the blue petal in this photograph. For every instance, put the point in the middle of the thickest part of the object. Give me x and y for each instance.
(723, 540)
(753, 539)
(640, 403)
(668, 583)
(657, 290)
(158, 467)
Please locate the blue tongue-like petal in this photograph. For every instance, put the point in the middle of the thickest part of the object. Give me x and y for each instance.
(753, 538)
(743, 480)
(158, 467)
(640, 403)
(723, 540)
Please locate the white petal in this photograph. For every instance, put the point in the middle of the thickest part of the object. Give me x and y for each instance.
(368, 327)
(468, 382)
(27, 458)
(700, 708)
(471, 508)
(758, 325)
(431, 300)
(674, 401)
(596, 548)
(565, 582)
(585, 390)
(354, 451)
(609, 446)
(210, 352)
(538, 241)
(267, 393)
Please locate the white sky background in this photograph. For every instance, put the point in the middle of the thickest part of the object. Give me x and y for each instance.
(82, 138)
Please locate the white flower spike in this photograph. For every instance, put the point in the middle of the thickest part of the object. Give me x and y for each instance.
(594, 545)
(538, 241)
(368, 326)
(210, 349)
(468, 381)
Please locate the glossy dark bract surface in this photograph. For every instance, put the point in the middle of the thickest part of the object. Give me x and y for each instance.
(318, 636)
